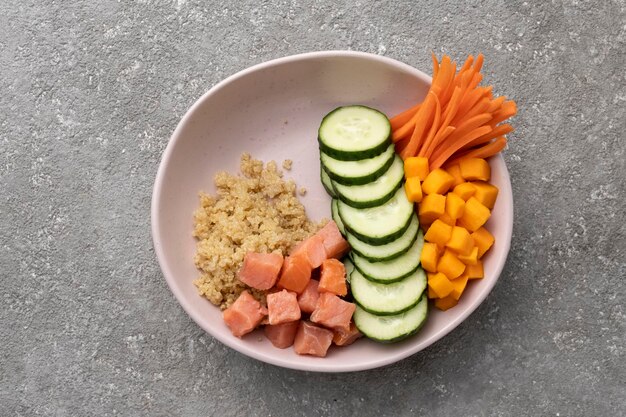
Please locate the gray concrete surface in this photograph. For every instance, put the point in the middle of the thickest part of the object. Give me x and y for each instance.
(91, 92)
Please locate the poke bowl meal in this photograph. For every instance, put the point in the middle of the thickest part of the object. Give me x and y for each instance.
(336, 211)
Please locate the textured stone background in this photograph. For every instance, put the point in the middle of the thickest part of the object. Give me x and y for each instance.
(90, 93)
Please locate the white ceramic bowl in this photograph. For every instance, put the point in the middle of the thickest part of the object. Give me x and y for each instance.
(273, 110)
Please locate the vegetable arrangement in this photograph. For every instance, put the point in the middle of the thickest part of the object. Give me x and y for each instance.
(444, 141)
(457, 120)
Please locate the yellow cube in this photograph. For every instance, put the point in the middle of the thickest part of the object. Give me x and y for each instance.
(413, 189)
(445, 217)
(429, 257)
(455, 172)
(438, 233)
(470, 259)
(437, 182)
(440, 285)
(465, 190)
(431, 207)
(454, 205)
(475, 214)
(416, 166)
(450, 265)
(483, 240)
(475, 169)
(475, 271)
(431, 293)
(445, 303)
(486, 193)
(460, 241)
(459, 285)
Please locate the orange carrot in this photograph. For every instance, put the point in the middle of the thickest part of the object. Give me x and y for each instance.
(404, 117)
(507, 110)
(439, 158)
(467, 64)
(401, 144)
(433, 129)
(476, 79)
(478, 64)
(484, 151)
(435, 65)
(499, 130)
(496, 104)
(439, 137)
(481, 107)
(467, 102)
(423, 118)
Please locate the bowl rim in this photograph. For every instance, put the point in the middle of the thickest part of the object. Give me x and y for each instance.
(249, 351)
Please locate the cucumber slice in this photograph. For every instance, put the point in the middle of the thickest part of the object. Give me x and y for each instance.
(334, 213)
(390, 250)
(381, 224)
(394, 269)
(326, 182)
(347, 263)
(358, 172)
(374, 193)
(351, 133)
(389, 329)
(388, 299)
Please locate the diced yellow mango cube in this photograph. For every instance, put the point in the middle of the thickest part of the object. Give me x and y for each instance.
(475, 271)
(486, 193)
(455, 172)
(445, 217)
(413, 189)
(465, 190)
(445, 303)
(458, 285)
(460, 241)
(416, 166)
(475, 169)
(431, 293)
(437, 182)
(429, 257)
(438, 233)
(475, 214)
(471, 258)
(454, 205)
(450, 265)
(440, 285)
(431, 207)
(483, 240)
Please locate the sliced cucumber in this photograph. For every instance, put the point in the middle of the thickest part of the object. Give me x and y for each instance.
(381, 224)
(394, 269)
(334, 213)
(391, 328)
(374, 193)
(358, 172)
(347, 263)
(326, 182)
(388, 299)
(351, 133)
(387, 251)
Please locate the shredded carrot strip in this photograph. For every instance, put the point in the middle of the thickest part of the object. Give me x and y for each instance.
(433, 128)
(499, 130)
(404, 117)
(438, 158)
(423, 118)
(482, 152)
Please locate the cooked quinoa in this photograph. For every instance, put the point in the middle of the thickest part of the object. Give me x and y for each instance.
(256, 211)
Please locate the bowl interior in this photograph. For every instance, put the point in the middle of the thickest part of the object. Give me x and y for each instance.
(273, 111)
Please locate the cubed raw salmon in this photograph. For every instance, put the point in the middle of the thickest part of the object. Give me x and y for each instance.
(283, 307)
(312, 340)
(333, 312)
(345, 338)
(244, 314)
(333, 277)
(260, 270)
(313, 250)
(295, 274)
(282, 335)
(334, 243)
(308, 299)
